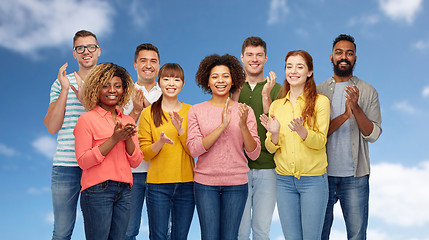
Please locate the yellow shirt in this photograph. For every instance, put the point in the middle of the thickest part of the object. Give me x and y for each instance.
(173, 163)
(294, 156)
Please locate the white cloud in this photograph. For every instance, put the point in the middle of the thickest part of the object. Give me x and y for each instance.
(425, 91)
(7, 151)
(421, 45)
(28, 26)
(401, 9)
(405, 107)
(46, 145)
(138, 11)
(399, 194)
(275, 215)
(277, 12)
(49, 218)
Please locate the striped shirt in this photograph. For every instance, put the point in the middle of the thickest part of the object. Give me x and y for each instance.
(65, 153)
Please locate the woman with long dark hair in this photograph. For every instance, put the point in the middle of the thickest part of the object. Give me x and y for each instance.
(162, 137)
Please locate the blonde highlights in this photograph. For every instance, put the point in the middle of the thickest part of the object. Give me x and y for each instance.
(98, 77)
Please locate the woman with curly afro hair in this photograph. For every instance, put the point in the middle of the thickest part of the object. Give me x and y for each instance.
(220, 133)
(106, 149)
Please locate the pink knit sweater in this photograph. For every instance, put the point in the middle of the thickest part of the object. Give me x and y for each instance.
(224, 164)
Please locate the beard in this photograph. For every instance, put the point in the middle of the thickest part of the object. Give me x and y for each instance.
(343, 72)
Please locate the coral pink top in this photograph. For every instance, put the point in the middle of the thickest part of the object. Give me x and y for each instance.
(92, 129)
(224, 164)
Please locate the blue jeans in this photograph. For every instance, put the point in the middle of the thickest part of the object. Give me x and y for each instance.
(106, 210)
(170, 199)
(220, 209)
(353, 193)
(65, 187)
(138, 192)
(260, 204)
(302, 205)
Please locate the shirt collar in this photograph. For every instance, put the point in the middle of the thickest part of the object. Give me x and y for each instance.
(354, 80)
(104, 113)
(300, 97)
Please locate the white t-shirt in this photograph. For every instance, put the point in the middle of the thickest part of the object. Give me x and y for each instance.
(151, 96)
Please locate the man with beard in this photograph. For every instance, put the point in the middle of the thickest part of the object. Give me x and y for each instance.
(355, 121)
(64, 109)
(258, 92)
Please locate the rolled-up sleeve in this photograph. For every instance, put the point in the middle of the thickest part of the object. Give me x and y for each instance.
(137, 156)
(87, 156)
(374, 115)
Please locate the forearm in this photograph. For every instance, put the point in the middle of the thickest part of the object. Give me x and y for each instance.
(135, 114)
(266, 103)
(336, 123)
(364, 124)
(108, 145)
(55, 116)
(130, 146)
(210, 139)
(157, 146)
(249, 142)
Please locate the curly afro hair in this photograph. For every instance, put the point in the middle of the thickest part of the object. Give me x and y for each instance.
(208, 63)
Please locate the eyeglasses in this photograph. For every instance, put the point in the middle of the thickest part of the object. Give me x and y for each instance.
(90, 47)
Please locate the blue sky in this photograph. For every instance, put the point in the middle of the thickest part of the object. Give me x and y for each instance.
(392, 40)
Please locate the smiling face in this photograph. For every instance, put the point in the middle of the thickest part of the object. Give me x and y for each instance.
(220, 80)
(170, 86)
(111, 93)
(147, 66)
(297, 71)
(86, 60)
(254, 58)
(343, 58)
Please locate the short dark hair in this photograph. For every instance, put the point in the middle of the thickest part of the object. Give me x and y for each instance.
(254, 41)
(83, 33)
(208, 63)
(145, 46)
(343, 37)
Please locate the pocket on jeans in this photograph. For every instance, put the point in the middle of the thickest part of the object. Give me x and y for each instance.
(101, 187)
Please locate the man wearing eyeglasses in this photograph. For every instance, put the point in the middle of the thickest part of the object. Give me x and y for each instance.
(65, 107)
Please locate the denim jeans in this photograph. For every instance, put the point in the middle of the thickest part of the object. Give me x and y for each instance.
(220, 209)
(170, 199)
(65, 187)
(302, 205)
(260, 204)
(106, 210)
(353, 193)
(138, 192)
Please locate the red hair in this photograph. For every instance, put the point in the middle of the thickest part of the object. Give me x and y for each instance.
(310, 91)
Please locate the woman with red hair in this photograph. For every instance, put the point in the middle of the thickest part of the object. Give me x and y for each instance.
(297, 134)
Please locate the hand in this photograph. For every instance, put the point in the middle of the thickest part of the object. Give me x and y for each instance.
(62, 77)
(79, 94)
(164, 139)
(177, 120)
(138, 100)
(243, 111)
(271, 81)
(226, 114)
(122, 133)
(352, 95)
(146, 102)
(296, 125)
(271, 124)
(348, 111)
(236, 95)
